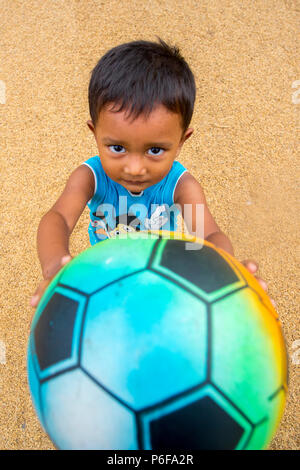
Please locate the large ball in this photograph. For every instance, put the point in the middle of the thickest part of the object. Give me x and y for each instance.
(157, 343)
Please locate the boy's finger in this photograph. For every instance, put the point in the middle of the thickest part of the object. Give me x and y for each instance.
(38, 293)
(251, 265)
(33, 301)
(263, 283)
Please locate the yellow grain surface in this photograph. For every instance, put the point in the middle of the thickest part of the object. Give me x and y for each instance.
(244, 57)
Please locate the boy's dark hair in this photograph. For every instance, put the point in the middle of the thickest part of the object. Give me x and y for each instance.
(138, 75)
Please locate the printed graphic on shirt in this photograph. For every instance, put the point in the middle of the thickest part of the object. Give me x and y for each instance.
(107, 225)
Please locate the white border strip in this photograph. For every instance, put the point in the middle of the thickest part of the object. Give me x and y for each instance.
(95, 178)
(177, 183)
(2, 352)
(135, 195)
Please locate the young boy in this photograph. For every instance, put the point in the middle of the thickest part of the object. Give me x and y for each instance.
(141, 99)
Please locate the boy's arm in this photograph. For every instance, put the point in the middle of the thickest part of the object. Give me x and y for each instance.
(58, 223)
(189, 194)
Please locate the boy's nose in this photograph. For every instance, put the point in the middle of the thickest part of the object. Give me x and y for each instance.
(134, 166)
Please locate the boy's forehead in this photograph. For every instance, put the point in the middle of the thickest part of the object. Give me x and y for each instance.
(160, 121)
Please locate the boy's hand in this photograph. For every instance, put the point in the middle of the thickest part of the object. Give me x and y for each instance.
(252, 267)
(34, 301)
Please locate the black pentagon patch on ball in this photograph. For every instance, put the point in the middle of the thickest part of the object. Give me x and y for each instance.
(202, 425)
(54, 330)
(204, 268)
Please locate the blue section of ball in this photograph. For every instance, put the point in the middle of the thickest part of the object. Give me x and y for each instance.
(144, 338)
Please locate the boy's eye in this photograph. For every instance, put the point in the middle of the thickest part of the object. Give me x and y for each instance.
(156, 151)
(117, 148)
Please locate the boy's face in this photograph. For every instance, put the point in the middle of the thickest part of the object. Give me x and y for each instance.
(139, 153)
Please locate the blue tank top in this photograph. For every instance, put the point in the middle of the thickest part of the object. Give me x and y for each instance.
(114, 209)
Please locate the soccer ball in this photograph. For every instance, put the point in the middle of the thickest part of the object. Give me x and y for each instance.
(145, 343)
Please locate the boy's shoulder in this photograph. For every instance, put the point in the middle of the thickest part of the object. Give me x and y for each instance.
(93, 162)
(176, 172)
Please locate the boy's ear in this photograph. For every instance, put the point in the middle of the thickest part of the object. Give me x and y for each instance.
(91, 126)
(187, 134)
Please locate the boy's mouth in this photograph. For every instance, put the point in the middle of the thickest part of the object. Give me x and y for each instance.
(136, 182)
